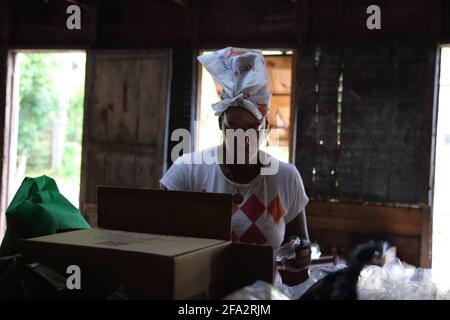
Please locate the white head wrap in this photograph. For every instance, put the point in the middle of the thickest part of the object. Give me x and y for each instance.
(242, 75)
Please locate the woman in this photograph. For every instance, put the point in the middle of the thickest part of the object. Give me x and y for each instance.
(268, 205)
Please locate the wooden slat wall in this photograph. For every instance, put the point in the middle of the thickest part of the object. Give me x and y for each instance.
(385, 152)
(339, 227)
(385, 149)
(317, 103)
(124, 132)
(387, 122)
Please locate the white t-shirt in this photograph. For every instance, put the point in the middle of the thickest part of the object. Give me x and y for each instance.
(270, 201)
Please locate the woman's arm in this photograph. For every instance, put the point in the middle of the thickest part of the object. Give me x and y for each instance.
(298, 228)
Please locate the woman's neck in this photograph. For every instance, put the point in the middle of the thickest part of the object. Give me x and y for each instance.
(241, 173)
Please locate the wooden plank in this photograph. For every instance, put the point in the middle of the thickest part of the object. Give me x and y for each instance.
(341, 242)
(319, 70)
(271, 23)
(426, 240)
(279, 80)
(152, 79)
(294, 109)
(95, 168)
(328, 69)
(115, 120)
(124, 135)
(119, 169)
(356, 225)
(147, 171)
(186, 74)
(5, 106)
(280, 108)
(305, 100)
(366, 212)
(344, 225)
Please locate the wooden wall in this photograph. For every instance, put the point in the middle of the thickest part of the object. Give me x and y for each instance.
(338, 227)
(125, 121)
(364, 135)
(370, 141)
(216, 23)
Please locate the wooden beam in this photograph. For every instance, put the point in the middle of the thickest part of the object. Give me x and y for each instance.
(4, 23)
(361, 226)
(79, 3)
(435, 18)
(92, 24)
(195, 10)
(366, 219)
(302, 13)
(340, 226)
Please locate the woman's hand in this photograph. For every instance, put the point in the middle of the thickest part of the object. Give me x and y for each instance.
(297, 228)
(301, 261)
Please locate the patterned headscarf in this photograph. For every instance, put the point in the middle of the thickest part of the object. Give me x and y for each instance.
(242, 75)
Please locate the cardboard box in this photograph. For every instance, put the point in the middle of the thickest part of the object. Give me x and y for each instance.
(157, 245)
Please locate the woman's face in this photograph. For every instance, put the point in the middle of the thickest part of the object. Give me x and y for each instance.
(243, 134)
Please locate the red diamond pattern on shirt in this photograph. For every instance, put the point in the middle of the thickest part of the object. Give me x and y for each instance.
(253, 208)
(253, 235)
(276, 209)
(234, 208)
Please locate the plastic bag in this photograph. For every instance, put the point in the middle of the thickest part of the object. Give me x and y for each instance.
(260, 290)
(396, 281)
(315, 274)
(19, 280)
(283, 254)
(288, 250)
(38, 209)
